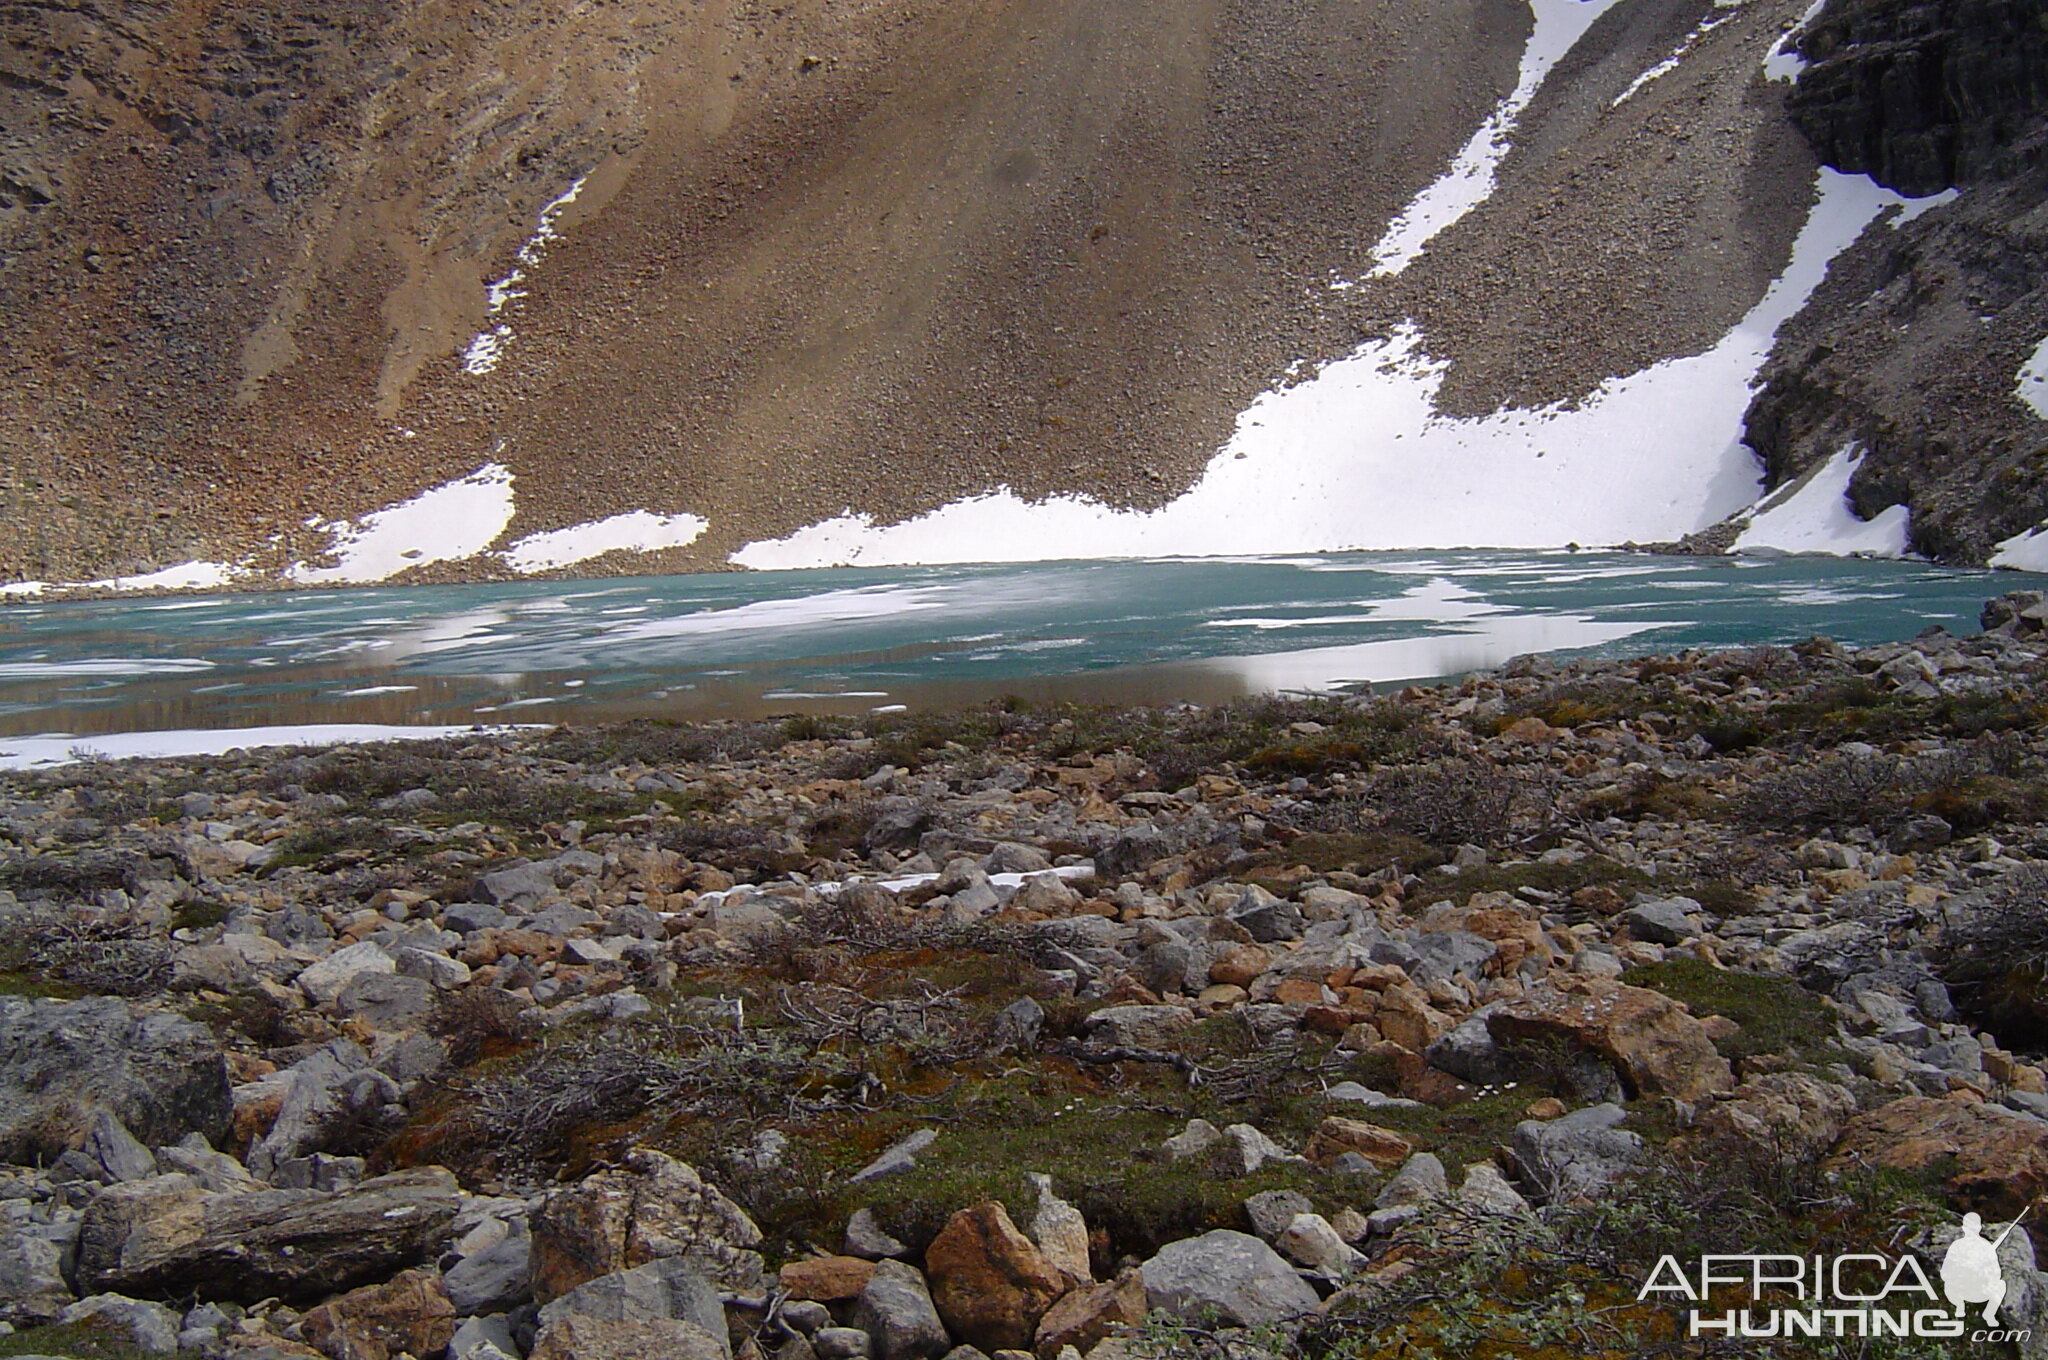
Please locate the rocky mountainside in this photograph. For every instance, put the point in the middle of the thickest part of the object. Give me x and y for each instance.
(1321, 1027)
(1912, 348)
(267, 269)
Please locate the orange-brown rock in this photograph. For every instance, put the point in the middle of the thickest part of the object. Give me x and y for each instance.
(1406, 1017)
(989, 1283)
(652, 1208)
(1337, 1135)
(1240, 965)
(1088, 1315)
(1794, 1111)
(495, 943)
(407, 1315)
(1993, 1160)
(827, 1278)
(1299, 991)
(1656, 1046)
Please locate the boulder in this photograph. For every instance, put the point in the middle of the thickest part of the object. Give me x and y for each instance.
(990, 1284)
(1655, 1046)
(1310, 1240)
(841, 1343)
(63, 1062)
(389, 1000)
(324, 981)
(896, 1311)
(827, 1279)
(1578, 1156)
(1665, 920)
(576, 1337)
(1992, 1160)
(670, 1290)
(166, 1236)
(1085, 1316)
(409, 1314)
(1232, 1276)
(517, 885)
(1487, 1190)
(1270, 1211)
(1243, 1149)
(1148, 1027)
(652, 1208)
(496, 1278)
(899, 1157)
(1336, 1135)
(484, 1338)
(1060, 1232)
(320, 1090)
(1793, 1111)
(1420, 1180)
(135, 1322)
(32, 1285)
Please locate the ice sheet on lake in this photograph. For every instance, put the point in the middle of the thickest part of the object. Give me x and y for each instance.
(1813, 516)
(1357, 458)
(41, 752)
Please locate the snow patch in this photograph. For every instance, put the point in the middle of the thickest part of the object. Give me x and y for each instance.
(1470, 180)
(2026, 551)
(1783, 63)
(1813, 516)
(1678, 54)
(41, 752)
(455, 520)
(488, 347)
(2033, 381)
(1356, 458)
(638, 531)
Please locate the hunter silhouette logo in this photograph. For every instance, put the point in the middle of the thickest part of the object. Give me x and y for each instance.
(1970, 1272)
(1856, 1294)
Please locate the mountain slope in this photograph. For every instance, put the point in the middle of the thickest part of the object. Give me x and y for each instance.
(872, 257)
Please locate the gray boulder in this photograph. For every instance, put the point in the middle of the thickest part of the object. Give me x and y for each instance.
(896, 1311)
(1232, 1275)
(63, 1062)
(500, 1276)
(1017, 1026)
(1268, 919)
(322, 982)
(1576, 1157)
(1469, 1051)
(32, 1287)
(165, 1236)
(144, 1325)
(517, 885)
(1663, 921)
(868, 1239)
(1270, 1211)
(898, 1157)
(484, 1338)
(666, 1290)
(1420, 1180)
(387, 1000)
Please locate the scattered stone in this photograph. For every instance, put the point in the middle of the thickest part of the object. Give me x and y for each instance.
(1420, 1180)
(826, 1279)
(652, 1208)
(897, 1158)
(666, 1291)
(866, 1238)
(1310, 1240)
(407, 1315)
(1230, 1276)
(1654, 1045)
(896, 1311)
(1576, 1157)
(1384, 1148)
(989, 1283)
(1060, 1232)
(1665, 920)
(1084, 1317)
(1270, 1211)
(136, 1322)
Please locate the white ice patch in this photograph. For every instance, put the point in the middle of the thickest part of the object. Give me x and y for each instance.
(1469, 182)
(1783, 63)
(488, 347)
(803, 612)
(639, 531)
(1813, 516)
(1356, 458)
(1478, 646)
(455, 520)
(1678, 54)
(2033, 381)
(2024, 551)
(41, 752)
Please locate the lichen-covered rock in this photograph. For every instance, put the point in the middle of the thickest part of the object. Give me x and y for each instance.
(1229, 1275)
(1656, 1047)
(62, 1062)
(409, 1314)
(652, 1208)
(990, 1284)
(165, 1236)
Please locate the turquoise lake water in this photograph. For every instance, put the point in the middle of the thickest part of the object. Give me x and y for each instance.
(858, 640)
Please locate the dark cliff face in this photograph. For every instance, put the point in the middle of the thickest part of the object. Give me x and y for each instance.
(1923, 95)
(1910, 349)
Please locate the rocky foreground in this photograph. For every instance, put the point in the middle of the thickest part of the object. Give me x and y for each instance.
(1318, 1027)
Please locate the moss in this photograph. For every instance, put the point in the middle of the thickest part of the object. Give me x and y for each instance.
(1592, 871)
(1458, 1134)
(81, 1340)
(15, 983)
(1360, 853)
(1777, 1015)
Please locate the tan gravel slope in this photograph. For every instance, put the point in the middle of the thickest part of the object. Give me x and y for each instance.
(875, 255)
